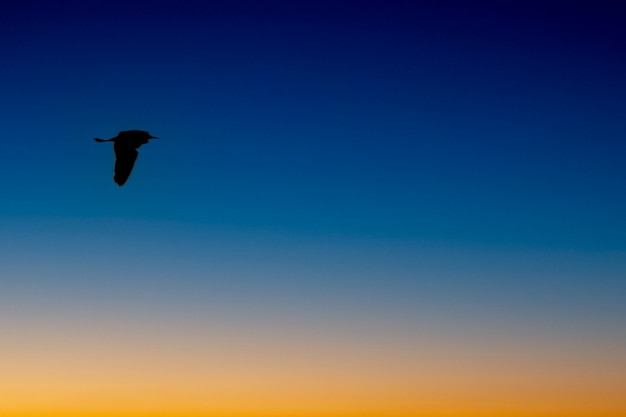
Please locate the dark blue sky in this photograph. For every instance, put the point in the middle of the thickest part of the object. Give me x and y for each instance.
(486, 123)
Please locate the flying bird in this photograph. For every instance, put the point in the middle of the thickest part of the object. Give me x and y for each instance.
(125, 145)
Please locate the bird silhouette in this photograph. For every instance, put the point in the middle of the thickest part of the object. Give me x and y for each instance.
(125, 145)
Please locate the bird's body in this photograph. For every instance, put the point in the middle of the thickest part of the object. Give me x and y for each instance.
(125, 145)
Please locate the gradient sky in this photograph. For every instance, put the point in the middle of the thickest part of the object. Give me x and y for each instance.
(374, 208)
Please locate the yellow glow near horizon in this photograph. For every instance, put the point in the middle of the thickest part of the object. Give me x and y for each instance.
(150, 369)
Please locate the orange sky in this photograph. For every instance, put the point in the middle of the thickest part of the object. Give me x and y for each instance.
(142, 368)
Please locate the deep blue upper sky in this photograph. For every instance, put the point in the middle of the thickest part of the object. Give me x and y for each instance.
(481, 123)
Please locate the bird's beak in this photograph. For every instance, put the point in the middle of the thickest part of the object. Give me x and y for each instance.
(152, 137)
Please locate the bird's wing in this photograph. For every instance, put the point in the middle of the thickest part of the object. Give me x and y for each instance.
(125, 157)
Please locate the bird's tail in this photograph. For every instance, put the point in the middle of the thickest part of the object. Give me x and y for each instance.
(101, 140)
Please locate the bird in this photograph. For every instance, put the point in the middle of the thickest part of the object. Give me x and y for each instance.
(125, 145)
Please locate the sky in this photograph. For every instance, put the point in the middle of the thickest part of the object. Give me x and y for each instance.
(372, 208)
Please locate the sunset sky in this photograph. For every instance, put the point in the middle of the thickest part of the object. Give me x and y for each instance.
(355, 208)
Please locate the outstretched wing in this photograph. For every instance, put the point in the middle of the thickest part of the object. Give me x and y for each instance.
(125, 158)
